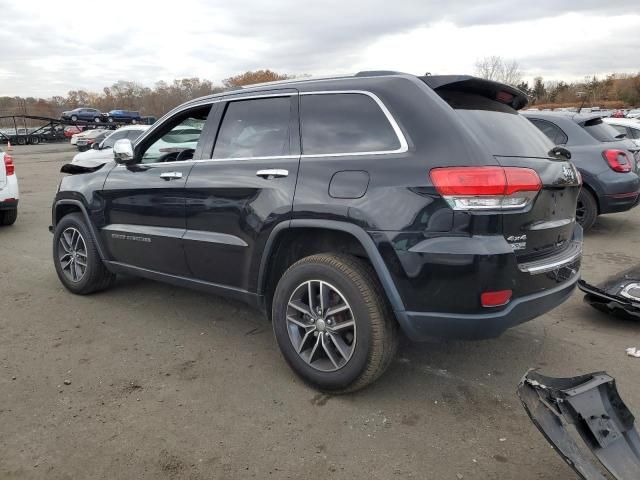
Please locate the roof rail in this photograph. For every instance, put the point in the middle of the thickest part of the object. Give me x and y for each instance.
(377, 73)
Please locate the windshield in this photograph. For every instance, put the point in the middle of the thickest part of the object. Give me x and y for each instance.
(501, 128)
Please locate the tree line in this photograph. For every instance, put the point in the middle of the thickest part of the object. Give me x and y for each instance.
(617, 90)
(124, 95)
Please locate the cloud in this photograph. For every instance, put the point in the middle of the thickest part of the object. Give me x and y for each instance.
(46, 50)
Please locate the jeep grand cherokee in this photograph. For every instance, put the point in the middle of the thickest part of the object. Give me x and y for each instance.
(346, 208)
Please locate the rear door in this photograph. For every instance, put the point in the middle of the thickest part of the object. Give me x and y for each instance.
(237, 197)
(547, 226)
(145, 202)
(3, 171)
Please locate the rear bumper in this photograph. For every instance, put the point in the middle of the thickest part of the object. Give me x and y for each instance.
(617, 192)
(420, 326)
(9, 204)
(619, 202)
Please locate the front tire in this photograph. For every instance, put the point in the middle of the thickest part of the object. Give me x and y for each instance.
(586, 209)
(8, 217)
(332, 322)
(76, 257)
(74, 118)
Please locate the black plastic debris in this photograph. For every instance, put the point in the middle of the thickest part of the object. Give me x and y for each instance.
(619, 295)
(584, 419)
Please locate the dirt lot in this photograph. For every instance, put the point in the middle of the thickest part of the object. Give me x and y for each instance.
(171, 383)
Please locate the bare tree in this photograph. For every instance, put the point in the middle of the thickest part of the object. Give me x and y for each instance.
(500, 70)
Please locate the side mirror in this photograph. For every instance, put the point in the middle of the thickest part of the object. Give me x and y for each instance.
(95, 146)
(123, 151)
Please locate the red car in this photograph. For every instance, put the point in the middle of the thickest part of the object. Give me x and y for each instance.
(618, 114)
(70, 131)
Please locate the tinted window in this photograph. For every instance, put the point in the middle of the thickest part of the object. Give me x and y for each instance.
(551, 130)
(255, 128)
(113, 138)
(501, 128)
(620, 129)
(344, 123)
(601, 131)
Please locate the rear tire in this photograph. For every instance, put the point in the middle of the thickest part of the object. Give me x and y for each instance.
(8, 217)
(336, 352)
(586, 209)
(73, 242)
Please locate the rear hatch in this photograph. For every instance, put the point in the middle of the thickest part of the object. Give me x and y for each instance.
(610, 137)
(489, 110)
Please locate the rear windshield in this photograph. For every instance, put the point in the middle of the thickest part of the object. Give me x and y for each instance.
(602, 131)
(501, 128)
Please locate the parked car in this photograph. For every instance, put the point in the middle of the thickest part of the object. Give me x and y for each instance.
(85, 142)
(608, 164)
(101, 153)
(123, 116)
(9, 192)
(83, 114)
(346, 209)
(626, 126)
(71, 130)
(76, 136)
(635, 113)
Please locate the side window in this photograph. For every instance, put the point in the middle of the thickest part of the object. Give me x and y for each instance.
(255, 128)
(176, 139)
(551, 130)
(344, 123)
(113, 138)
(621, 129)
(133, 134)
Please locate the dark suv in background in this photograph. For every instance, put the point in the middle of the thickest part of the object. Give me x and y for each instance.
(345, 208)
(607, 162)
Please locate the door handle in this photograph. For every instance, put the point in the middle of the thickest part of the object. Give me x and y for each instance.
(170, 175)
(272, 173)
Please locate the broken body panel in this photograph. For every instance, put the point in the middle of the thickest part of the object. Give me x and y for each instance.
(619, 295)
(584, 410)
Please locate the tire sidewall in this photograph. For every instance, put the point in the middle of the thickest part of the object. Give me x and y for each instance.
(75, 221)
(348, 374)
(591, 208)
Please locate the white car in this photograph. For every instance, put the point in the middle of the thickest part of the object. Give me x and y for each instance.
(628, 126)
(635, 113)
(9, 193)
(76, 136)
(102, 153)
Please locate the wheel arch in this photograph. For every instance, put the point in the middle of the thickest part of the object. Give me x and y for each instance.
(66, 206)
(356, 238)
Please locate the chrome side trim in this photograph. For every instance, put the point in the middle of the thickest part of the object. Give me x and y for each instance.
(551, 224)
(569, 255)
(214, 237)
(145, 230)
(404, 146)
(236, 96)
(179, 233)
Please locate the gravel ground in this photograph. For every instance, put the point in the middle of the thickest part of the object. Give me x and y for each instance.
(148, 380)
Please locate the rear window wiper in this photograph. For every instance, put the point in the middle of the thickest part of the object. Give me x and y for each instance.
(558, 151)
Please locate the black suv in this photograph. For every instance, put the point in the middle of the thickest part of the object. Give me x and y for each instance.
(347, 209)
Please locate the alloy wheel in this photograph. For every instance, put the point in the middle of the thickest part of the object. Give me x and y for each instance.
(72, 254)
(321, 325)
(581, 210)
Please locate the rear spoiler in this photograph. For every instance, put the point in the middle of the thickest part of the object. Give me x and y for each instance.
(487, 88)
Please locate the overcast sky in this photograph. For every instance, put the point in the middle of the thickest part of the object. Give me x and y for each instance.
(50, 47)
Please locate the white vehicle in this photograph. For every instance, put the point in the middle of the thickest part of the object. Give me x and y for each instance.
(76, 136)
(182, 137)
(628, 126)
(9, 193)
(635, 113)
(101, 153)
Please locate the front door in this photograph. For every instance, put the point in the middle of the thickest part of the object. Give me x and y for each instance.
(145, 201)
(236, 198)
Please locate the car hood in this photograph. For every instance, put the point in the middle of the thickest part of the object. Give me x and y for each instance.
(93, 158)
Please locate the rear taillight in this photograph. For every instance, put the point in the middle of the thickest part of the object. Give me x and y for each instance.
(9, 167)
(618, 160)
(486, 188)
